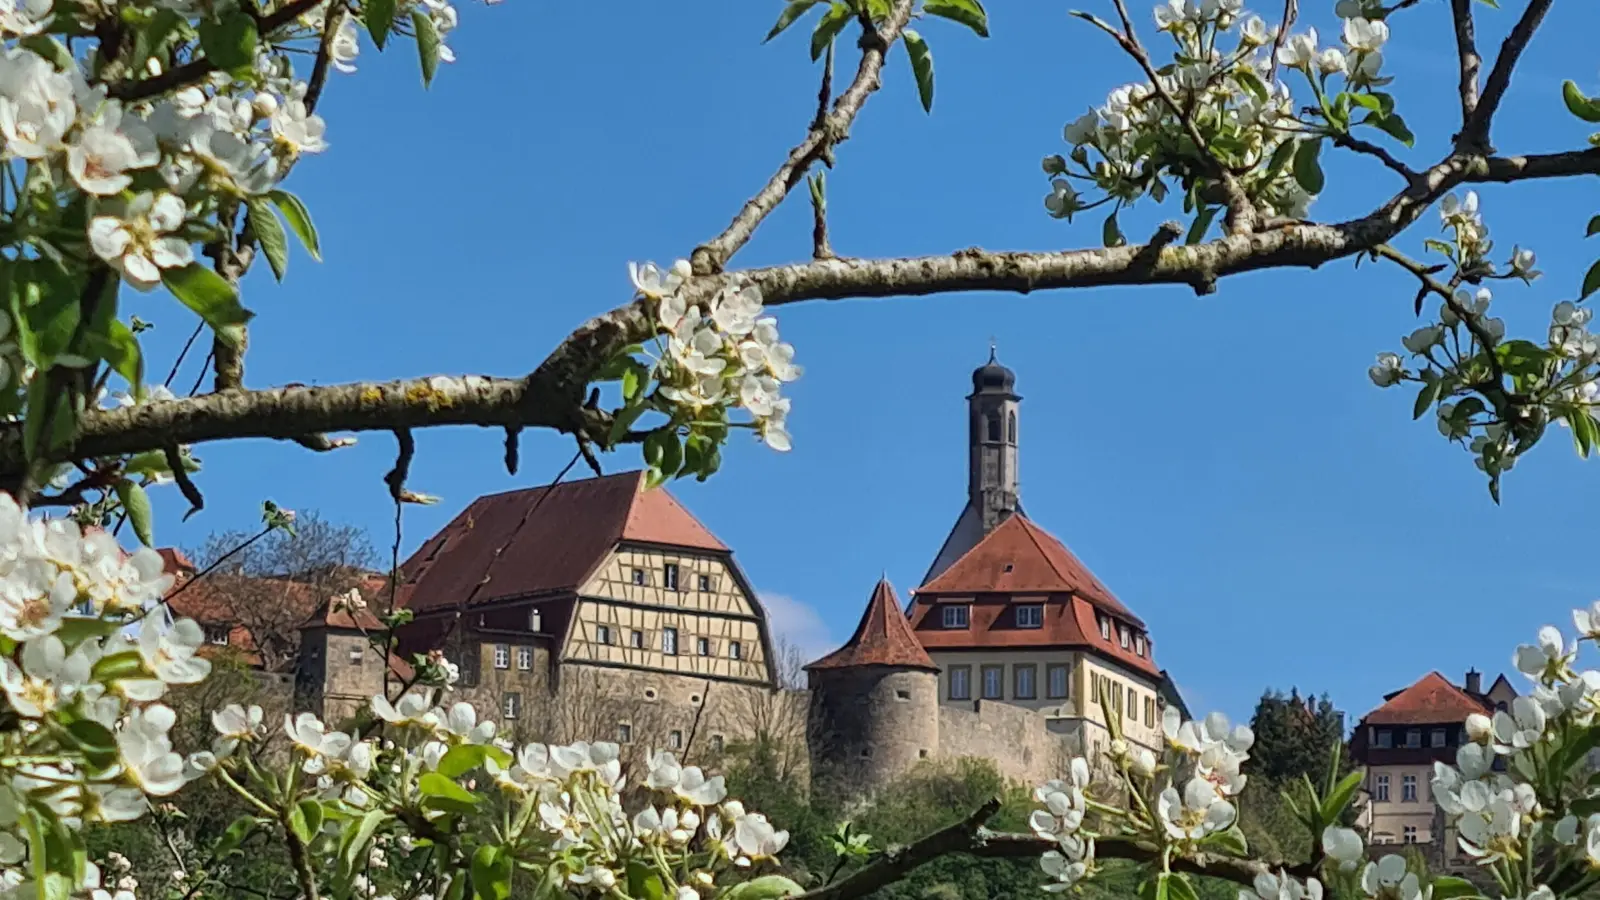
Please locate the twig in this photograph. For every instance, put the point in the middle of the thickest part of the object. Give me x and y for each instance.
(1341, 139)
(513, 448)
(331, 23)
(177, 363)
(1241, 218)
(1432, 285)
(193, 71)
(205, 366)
(1467, 52)
(962, 837)
(711, 256)
(1475, 133)
(820, 248)
(180, 474)
(1291, 11)
(694, 725)
(167, 600)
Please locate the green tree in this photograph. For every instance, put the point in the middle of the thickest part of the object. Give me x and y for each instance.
(1295, 736)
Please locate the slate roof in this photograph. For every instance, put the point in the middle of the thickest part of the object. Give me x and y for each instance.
(882, 638)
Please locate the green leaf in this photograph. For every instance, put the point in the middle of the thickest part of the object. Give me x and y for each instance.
(1178, 886)
(212, 297)
(235, 835)
(311, 814)
(1426, 397)
(1583, 431)
(136, 503)
(51, 49)
(1440, 247)
(833, 21)
(120, 349)
(441, 793)
(162, 24)
(269, 234)
(634, 378)
(921, 66)
(75, 630)
(47, 314)
(1307, 170)
(644, 883)
(793, 11)
(1365, 101)
(1449, 887)
(491, 873)
(154, 462)
(353, 844)
(1111, 232)
(1579, 105)
(96, 741)
(230, 42)
(1231, 842)
(1339, 797)
(623, 420)
(1522, 357)
(767, 887)
(1393, 126)
(1591, 280)
(967, 12)
(378, 16)
(1202, 222)
(461, 759)
(61, 421)
(427, 44)
(1280, 159)
(299, 219)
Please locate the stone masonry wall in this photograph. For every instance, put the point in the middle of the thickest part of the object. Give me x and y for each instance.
(1017, 740)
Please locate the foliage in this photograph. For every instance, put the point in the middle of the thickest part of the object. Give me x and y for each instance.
(1293, 734)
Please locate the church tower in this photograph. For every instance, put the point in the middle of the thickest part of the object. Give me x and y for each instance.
(992, 443)
(993, 486)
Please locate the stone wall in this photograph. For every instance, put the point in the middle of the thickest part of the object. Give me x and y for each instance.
(869, 725)
(1017, 740)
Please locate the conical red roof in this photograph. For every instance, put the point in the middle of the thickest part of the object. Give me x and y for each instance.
(883, 638)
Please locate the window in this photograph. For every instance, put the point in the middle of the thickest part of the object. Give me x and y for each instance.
(669, 576)
(955, 617)
(902, 695)
(1413, 738)
(602, 634)
(1408, 789)
(669, 641)
(1409, 834)
(1150, 712)
(1025, 688)
(735, 650)
(716, 743)
(1438, 737)
(650, 693)
(1094, 687)
(1011, 428)
(960, 682)
(675, 740)
(994, 426)
(637, 640)
(217, 634)
(638, 576)
(356, 655)
(1382, 738)
(994, 682)
(1030, 616)
(1380, 791)
(511, 705)
(704, 582)
(702, 646)
(1056, 681)
(1133, 704)
(502, 656)
(1124, 636)
(1138, 644)
(1105, 627)
(525, 658)
(535, 620)
(624, 732)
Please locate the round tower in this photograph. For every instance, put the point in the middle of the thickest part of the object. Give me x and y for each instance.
(874, 703)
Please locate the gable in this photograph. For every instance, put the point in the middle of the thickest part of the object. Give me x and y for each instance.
(1433, 700)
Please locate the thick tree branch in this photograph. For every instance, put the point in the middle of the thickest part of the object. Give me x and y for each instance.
(969, 836)
(1475, 131)
(711, 256)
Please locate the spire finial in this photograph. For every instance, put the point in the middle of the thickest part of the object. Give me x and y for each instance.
(992, 348)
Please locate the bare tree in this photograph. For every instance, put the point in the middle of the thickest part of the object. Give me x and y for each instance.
(272, 586)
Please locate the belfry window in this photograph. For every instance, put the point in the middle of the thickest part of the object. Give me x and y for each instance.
(1011, 428)
(994, 426)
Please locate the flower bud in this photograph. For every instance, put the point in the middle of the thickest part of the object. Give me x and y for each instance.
(1054, 165)
(264, 105)
(1144, 763)
(1479, 728)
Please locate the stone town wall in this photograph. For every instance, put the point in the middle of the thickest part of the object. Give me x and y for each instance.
(1019, 741)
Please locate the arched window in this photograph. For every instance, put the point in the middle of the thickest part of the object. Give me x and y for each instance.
(994, 426)
(1011, 427)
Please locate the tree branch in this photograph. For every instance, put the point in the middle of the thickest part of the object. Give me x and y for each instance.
(193, 71)
(1340, 139)
(1467, 52)
(711, 256)
(1475, 130)
(969, 836)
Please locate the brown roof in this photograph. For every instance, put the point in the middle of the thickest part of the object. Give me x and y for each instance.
(1019, 557)
(883, 638)
(1431, 701)
(543, 540)
(1067, 621)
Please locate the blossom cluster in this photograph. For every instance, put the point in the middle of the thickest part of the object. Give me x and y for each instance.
(720, 356)
(566, 814)
(86, 659)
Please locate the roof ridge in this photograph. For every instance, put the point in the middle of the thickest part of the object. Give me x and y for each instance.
(892, 643)
(970, 550)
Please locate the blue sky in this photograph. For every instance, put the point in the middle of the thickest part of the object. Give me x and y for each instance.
(1221, 462)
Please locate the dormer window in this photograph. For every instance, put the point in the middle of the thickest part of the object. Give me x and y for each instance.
(1138, 644)
(217, 634)
(955, 616)
(1105, 626)
(1030, 616)
(1124, 637)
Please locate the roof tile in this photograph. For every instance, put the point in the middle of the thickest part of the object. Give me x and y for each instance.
(883, 638)
(1433, 700)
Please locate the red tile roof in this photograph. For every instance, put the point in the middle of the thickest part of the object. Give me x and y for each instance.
(543, 540)
(883, 638)
(1068, 622)
(1019, 557)
(1431, 701)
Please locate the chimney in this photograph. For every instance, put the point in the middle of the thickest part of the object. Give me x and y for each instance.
(1474, 682)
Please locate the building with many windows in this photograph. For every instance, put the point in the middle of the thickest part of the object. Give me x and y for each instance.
(1399, 742)
(1010, 649)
